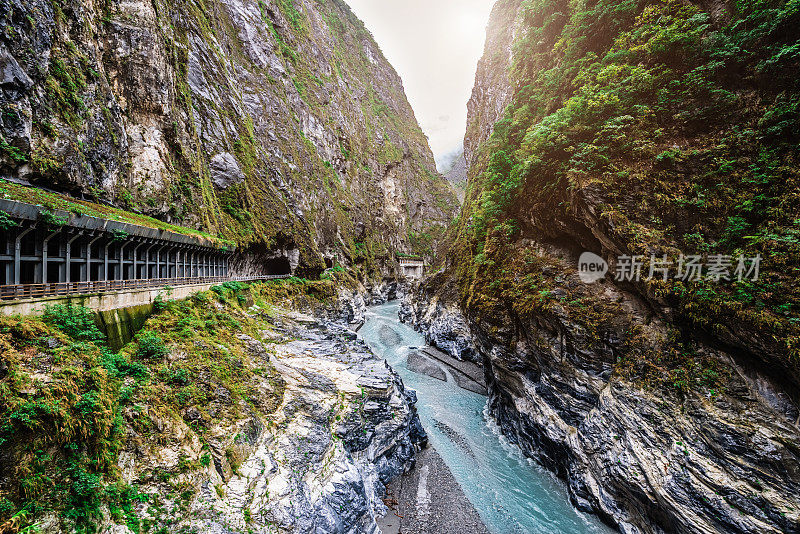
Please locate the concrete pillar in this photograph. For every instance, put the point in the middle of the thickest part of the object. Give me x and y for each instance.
(105, 260)
(147, 261)
(122, 261)
(67, 270)
(45, 245)
(17, 253)
(158, 261)
(177, 259)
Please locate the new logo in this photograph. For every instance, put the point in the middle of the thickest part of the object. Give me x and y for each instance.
(591, 268)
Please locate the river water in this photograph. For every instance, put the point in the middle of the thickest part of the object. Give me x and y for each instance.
(510, 492)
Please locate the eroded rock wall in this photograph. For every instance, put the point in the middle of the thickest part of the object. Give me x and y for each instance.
(242, 408)
(275, 122)
(668, 403)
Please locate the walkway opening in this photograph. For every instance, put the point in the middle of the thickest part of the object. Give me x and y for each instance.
(97, 271)
(75, 271)
(27, 245)
(53, 271)
(27, 272)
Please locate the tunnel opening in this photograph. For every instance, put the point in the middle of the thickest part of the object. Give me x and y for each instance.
(277, 266)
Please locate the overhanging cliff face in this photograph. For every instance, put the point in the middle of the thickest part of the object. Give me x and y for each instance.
(275, 122)
(639, 129)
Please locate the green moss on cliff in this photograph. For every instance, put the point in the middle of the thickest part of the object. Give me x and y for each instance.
(55, 201)
(664, 127)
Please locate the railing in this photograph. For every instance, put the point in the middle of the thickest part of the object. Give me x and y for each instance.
(33, 291)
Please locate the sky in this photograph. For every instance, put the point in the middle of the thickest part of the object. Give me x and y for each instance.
(435, 46)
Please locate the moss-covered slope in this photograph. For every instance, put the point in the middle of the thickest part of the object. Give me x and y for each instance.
(645, 128)
(229, 410)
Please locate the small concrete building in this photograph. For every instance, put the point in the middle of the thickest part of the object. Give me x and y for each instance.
(412, 268)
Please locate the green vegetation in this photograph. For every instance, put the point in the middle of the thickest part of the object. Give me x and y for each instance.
(64, 84)
(65, 433)
(151, 347)
(11, 152)
(6, 222)
(52, 220)
(69, 405)
(76, 322)
(677, 128)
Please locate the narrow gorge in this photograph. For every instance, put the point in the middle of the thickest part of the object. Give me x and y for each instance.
(237, 295)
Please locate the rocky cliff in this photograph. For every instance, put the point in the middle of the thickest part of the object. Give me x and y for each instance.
(646, 133)
(457, 175)
(230, 412)
(277, 124)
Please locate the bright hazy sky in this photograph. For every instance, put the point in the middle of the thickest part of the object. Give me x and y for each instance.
(434, 45)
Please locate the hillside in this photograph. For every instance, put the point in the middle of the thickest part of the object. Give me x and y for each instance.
(275, 124)
(654, 135)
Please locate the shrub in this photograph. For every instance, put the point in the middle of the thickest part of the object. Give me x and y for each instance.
(232, 288)
(51, 219)
(151, 347)
(75, 321)
(6, 222)
(119, 235)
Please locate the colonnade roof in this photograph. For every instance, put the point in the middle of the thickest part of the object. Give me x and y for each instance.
(31, 212)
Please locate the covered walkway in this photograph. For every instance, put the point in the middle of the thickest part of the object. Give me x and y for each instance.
(81, 254)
